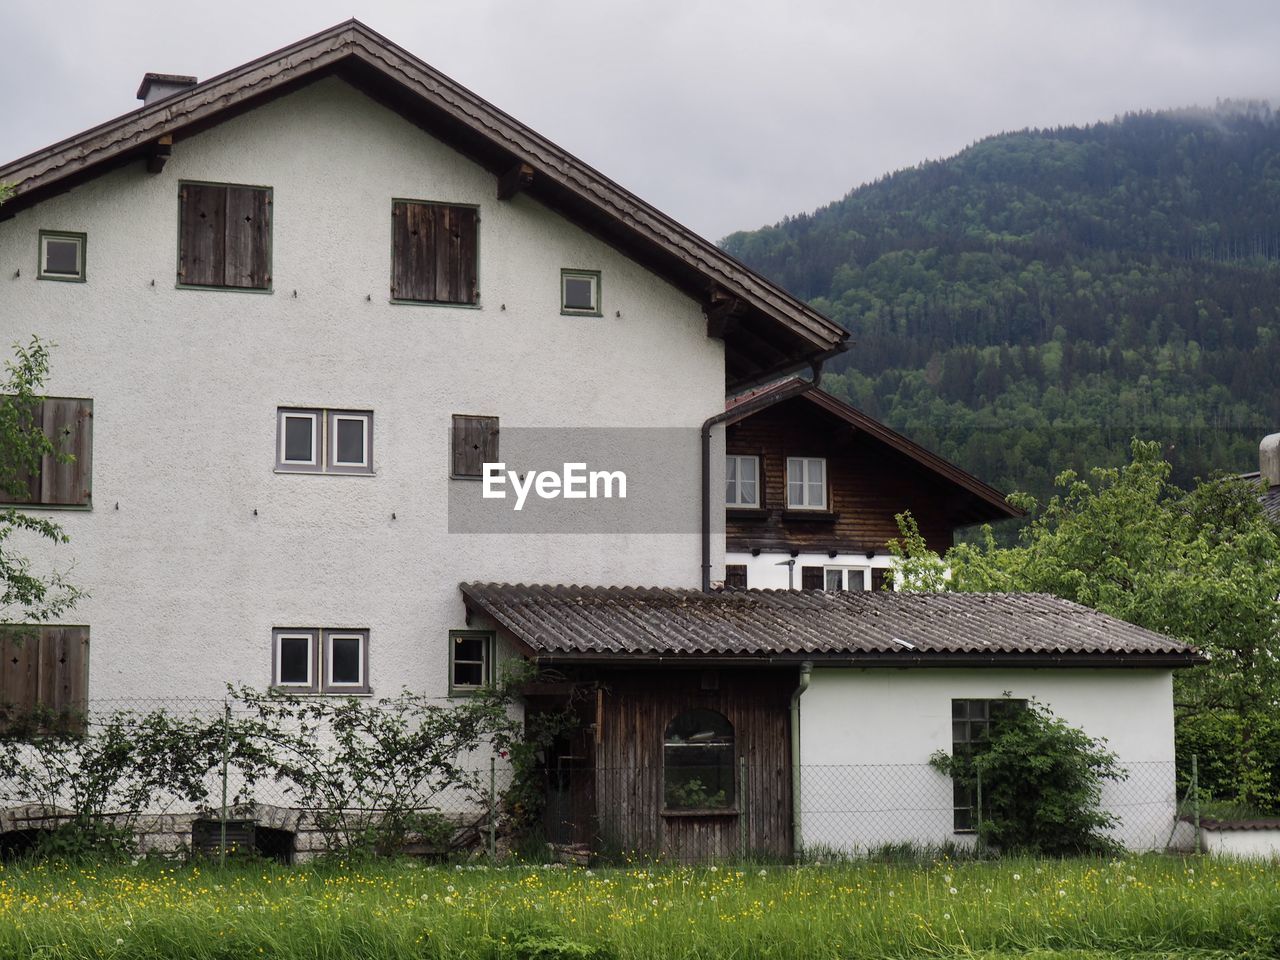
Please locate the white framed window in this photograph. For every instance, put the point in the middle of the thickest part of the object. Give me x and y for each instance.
(346, 653)
(293, 654)
(806, 483)
(319, 440)
(349, 437)
(62, 255)
(470, 660)
(298, 443)
(742, 481)
(320, 660)
(580, 292)
(846, 578)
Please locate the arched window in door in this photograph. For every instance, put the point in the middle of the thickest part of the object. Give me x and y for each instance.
(697, 761)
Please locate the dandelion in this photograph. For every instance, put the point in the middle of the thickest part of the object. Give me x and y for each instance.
(1062, 893)
(1017, 876)
(764, 873)
(953, 891)
(946, 916)
(119, 940)
(947, 878)
(654, 901)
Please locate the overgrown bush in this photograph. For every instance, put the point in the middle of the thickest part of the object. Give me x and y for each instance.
(1041, 785)
(373, 775)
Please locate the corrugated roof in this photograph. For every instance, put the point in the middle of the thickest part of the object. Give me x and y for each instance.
(630, 621)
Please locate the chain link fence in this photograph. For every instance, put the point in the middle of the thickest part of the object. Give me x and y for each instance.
(288, 789)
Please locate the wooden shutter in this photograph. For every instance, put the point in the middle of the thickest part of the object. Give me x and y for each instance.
(811, 578)
(68, 423)
(434, 253)
(224, 236)
(735, 575)
(44, 668)
(475, 442)
(248, 238)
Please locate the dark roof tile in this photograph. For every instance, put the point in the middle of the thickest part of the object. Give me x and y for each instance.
(578, 620)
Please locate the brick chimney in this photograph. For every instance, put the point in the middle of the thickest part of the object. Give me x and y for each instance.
(1269, 460)
(157, 86)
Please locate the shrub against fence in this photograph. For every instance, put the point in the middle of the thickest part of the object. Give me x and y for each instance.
(362, 776)
(355, 776)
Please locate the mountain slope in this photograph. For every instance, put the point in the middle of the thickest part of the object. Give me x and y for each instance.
(1033, 302)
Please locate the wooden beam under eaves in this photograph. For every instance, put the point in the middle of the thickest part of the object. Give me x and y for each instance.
(724, 313)
(159, 152)
(514, 180)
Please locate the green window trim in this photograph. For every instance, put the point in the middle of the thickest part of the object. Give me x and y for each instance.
(489, 645)
(81, 238)
(594, 276)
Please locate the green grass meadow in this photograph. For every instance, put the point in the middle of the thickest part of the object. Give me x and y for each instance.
(1150, 907)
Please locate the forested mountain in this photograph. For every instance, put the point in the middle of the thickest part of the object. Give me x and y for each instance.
(1033, 302)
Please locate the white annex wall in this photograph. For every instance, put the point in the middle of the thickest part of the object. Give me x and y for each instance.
(195, 548)
(867, 734)
(768, 570)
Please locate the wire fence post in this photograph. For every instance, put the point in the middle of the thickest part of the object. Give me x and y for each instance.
(1195, 798)
(222, 820)
(493, 809)
(978, 813)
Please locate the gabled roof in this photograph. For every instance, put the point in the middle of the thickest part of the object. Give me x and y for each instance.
(610, 623)
(991, 503)
(766, 330)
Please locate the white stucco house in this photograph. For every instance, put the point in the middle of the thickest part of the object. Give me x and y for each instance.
(301, 305)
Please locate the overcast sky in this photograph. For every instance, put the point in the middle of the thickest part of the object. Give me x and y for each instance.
(725, 115)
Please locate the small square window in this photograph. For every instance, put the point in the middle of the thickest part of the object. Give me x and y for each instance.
(61, 256)
(345, 664)
(298, 438)
(806, 483)
(294, 666)
(470, 660)
(350, 436)
(324, 441)
(580, 292)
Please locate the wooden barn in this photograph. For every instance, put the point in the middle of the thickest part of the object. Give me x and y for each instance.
(688, 743)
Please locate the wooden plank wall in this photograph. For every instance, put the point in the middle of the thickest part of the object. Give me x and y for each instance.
(636, 707)
(868, 483)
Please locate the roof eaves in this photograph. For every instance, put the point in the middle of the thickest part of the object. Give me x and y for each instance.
(353, 39)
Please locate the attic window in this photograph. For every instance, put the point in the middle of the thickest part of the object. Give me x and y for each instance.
(61, 256)
(434, 253)
(224, 236)
(580, 292)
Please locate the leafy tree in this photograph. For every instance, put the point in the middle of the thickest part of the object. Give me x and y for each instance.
(27, 594)
(1202, 566)
(1041, 785)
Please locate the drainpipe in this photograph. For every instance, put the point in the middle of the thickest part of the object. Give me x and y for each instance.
(806, 674)
(742, 409)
